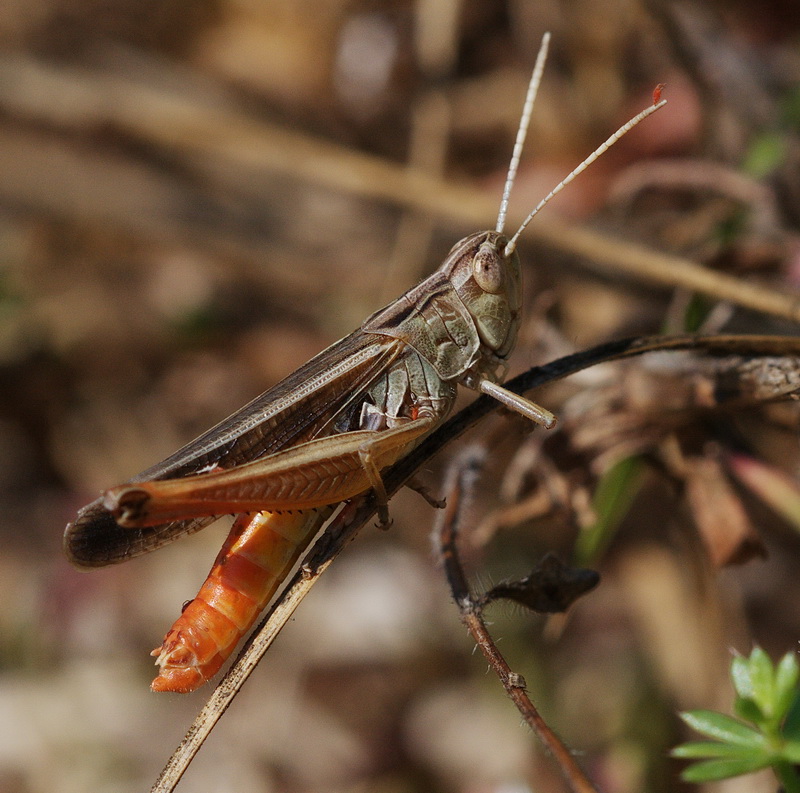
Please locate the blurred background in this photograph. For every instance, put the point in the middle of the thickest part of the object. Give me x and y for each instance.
(195, 197)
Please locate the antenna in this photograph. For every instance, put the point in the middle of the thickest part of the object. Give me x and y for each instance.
(527, 110)
(625, 128)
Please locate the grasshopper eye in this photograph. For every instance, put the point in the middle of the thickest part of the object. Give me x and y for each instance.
(487, 269)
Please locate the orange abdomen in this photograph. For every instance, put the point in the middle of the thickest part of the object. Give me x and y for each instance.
(257, 556)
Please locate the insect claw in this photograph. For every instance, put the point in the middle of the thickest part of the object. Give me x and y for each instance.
(384, 521)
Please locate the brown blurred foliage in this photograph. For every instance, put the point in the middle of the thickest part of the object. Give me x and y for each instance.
(195, 197)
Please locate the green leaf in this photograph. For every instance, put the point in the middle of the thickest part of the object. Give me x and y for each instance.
(787, 776)
(723, 769)
(748, 710)
(791, 724)
(696, 313)
(790, 109)
(766, 154)
(791, 752)
(786, 676)
(612, 499)
(762, 674)
(742, 680)
(724, 728)
(696, 749)
(767, 696)
(788, 671)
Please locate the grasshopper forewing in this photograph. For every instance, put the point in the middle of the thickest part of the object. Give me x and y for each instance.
(321, 436)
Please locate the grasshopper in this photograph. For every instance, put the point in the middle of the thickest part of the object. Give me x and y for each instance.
(321, 436)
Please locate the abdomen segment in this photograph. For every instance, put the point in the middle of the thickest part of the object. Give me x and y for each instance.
(257, 556)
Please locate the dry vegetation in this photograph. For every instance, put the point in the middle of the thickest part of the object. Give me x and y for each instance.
(195, 197)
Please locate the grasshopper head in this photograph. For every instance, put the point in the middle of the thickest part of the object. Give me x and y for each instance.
(489, 284)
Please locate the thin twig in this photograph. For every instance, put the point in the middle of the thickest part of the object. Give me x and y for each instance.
(464, 472)
(539, 376)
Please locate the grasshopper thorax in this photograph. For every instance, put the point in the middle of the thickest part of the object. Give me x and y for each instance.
(488, 283)
(468, 309)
